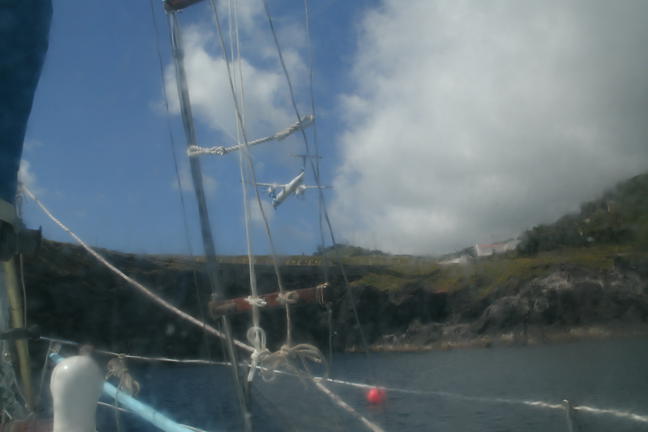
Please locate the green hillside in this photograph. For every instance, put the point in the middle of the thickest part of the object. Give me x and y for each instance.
(605, 230)
(619, 217)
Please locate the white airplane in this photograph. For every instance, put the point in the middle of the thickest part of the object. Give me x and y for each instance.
(279, 192)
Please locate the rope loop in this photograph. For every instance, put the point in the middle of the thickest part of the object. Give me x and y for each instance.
(117, 367)
(256, 336)
(292, 359)
(320, 293)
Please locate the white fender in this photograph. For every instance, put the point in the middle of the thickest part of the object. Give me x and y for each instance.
(76, 386)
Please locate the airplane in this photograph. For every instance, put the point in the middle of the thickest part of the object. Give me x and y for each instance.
(279, 192)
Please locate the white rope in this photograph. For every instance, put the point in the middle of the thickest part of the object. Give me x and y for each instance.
(252, 172)
(256, 301)
(339, 402)
(617, 413)
(257, 338)
(141, 288)
(154, 296)
(114, 407)
(196, 150)
(532, 403)
(594, 410)
(137, 357)
(624, 414)
(160, 301)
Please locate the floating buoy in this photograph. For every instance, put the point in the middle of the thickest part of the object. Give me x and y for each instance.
(376, 396)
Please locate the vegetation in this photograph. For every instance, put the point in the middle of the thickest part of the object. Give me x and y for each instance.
(614, 225)
(344, 250)
(487, 276)
(620, 216)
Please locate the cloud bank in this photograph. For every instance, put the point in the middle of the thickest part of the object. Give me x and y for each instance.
(26, 177)
(266, 106)
(471, 121)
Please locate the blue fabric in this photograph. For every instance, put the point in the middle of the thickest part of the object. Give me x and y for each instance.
(24, 31)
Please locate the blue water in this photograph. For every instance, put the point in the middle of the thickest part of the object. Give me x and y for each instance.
(612, 374)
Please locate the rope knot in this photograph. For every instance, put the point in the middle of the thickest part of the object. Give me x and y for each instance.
(196, 150)
(293, 360)
(257, 338)
(319, 289)
(117, 368)
(256, 301)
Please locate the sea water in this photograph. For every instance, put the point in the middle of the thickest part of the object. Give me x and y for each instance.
(497, 389)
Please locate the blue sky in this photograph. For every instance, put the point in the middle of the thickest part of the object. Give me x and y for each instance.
(98, 144)
(443, 122)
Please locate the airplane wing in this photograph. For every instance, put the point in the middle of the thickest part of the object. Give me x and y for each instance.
(317, 187)
(272, 185)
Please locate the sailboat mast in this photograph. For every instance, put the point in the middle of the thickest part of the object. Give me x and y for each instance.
(176, 5)
(194, 163)
(207, 237)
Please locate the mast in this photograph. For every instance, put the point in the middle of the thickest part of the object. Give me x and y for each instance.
(176, 5)
(197, 178)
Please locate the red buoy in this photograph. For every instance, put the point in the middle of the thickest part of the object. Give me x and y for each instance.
(376, 396)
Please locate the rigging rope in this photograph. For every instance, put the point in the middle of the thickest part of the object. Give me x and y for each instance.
(281, 135)
(132, 282)
(335, 398)
(172, 142)
(288, 346)
(255, 335)
(302, 351)
(172, 148)
(316, 170)
(317, 180)
(260, 354)
(21, 265)
(208, 240)
(239, 114)
(619, 413)
(195, 166)
(316, 166)
(136, 357)
(532, 403)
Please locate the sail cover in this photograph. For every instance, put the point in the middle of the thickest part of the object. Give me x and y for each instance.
(24, 30)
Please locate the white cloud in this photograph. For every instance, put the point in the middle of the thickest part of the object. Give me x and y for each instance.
(255, 212)
(186, 182)
(474, 120)
(266, 97)
(27, 177)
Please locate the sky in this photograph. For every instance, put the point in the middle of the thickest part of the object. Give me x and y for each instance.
(441, 123)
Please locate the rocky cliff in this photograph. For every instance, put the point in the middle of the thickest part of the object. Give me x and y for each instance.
(403, 303)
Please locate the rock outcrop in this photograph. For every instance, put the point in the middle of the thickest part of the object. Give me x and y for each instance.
(71, 296)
